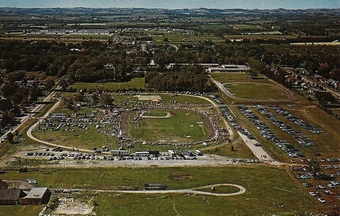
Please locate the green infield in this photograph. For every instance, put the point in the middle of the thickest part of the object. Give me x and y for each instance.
(172, 126)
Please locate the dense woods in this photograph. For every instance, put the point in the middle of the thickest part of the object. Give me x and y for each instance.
(192, 79)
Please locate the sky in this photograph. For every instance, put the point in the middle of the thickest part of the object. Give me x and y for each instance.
(175, 4)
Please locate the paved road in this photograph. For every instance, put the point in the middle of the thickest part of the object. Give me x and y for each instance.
(195, 190)
(25, 118)
(40, 120)
(258, 151)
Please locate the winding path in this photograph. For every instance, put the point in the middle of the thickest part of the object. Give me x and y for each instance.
(195, 190)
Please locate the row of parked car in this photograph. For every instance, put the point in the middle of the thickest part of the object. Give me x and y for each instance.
(301, 138)
(61, 156)
(268, 134)
(291, 117)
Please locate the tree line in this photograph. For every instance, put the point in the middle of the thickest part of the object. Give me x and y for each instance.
(189, 78)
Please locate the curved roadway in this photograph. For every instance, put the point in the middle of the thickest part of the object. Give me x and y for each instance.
(195, 190)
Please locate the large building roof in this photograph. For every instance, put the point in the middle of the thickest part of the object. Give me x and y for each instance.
(36, 193)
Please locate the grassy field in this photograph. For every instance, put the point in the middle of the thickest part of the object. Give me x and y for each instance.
(20, 210)
(269, 190)
(155, 113)
(258, 91)
(182, 126)
(237, 77)
(241, 150)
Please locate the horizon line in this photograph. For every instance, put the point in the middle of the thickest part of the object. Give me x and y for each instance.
(280, 8)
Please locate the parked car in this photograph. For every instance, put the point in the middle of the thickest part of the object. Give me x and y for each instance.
(312, 193)
(321, 200)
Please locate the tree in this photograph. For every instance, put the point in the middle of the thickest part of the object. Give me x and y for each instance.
(314, 167)
(63, 84)
(106, 99)
(253, 74)
(49, 83)
(10, 137)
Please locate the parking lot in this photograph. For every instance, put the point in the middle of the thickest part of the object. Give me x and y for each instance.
(267, 133)
(322, 183)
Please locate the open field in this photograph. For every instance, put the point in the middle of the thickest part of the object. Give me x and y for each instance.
(241, 150)
(263, 195)
(20, 210)
(230, 77)
(181, 126)
(256, 91)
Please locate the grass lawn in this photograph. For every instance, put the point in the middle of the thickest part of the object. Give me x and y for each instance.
(241, 150)
(269, 190)
(230, 77)
(181, 126)
(20, 210)
(260, 91)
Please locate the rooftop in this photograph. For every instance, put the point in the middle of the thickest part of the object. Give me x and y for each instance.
(36, 193)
